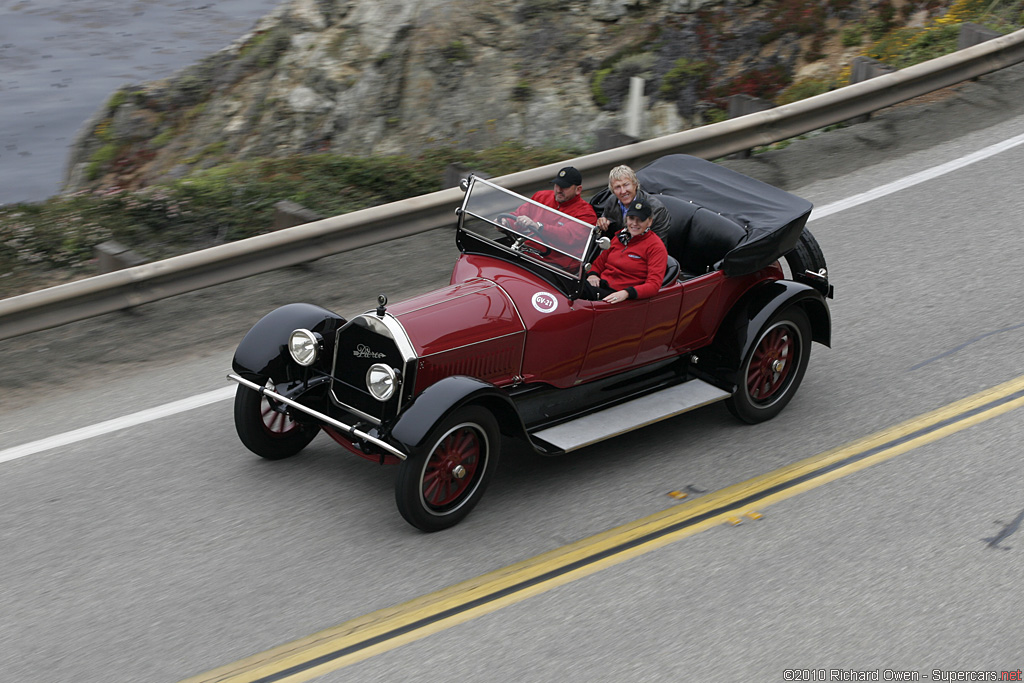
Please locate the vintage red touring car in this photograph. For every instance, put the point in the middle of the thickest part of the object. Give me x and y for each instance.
(510, 349)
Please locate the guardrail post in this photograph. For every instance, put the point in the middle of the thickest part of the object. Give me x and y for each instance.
(454, 174)
(113, 256)
(635, 107)
(972, 34)
(609, 138)
(741, 105)
(288, 214)
(862, 69)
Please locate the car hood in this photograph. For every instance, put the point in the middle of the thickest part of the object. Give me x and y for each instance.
(456, 316)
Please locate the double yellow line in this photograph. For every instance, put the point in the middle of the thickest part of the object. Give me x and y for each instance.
(386, 629)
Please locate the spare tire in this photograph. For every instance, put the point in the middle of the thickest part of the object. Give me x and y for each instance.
(806, 255)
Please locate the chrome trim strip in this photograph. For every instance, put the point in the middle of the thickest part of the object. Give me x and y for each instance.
(490, 284)
(263, 391)
(515, 307)
(399, 334)
(522, 355)
(482, 341)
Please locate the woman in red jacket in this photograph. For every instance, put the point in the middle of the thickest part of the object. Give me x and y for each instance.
(634, 266)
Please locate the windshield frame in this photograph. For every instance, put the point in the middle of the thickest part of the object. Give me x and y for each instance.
(570, 260)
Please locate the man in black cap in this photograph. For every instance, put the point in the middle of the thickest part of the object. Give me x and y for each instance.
(566, 196)
(633, 267)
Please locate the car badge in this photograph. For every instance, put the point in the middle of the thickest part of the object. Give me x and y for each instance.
(364, 351)
(545, 302)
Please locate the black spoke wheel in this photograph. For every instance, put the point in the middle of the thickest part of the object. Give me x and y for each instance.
(265, 429)
(773, 367)
(437, 488)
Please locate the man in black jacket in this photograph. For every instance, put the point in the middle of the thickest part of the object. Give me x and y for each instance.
(625, 189)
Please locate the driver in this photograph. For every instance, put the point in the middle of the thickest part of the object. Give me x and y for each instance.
(566, 196)
(634, 266)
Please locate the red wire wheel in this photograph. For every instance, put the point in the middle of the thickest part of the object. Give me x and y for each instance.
(437, 488)
(452, 467)
(773, 367)
(772, 360)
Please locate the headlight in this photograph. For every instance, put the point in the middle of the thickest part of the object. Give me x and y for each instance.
(381, 380)
(304, 347)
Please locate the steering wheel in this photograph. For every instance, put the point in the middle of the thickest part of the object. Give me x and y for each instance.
(509, 220)
(519, 233)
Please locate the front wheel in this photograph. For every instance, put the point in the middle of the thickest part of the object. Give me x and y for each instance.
(265, 429)
(437, 488)
(773, 367)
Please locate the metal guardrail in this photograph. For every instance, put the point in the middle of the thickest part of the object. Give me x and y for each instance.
(158, 280)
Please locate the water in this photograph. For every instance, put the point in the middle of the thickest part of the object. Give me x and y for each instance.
(60, 60)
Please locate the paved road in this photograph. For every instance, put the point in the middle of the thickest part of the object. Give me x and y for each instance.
(163, 550)
(60, 61)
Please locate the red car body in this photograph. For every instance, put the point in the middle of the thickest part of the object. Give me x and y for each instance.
(510, 348)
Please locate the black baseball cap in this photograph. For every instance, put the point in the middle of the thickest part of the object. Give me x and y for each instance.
(641, 210)
(568, 176)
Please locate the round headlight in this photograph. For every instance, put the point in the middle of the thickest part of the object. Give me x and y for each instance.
(304, 347)
(381, 380)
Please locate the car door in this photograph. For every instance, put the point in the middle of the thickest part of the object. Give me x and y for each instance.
(631, 333)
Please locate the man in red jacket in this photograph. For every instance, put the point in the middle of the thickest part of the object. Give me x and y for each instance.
(566, 196)
(633, 267)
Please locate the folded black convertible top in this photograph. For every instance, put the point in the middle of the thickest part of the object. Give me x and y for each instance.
(773, 218)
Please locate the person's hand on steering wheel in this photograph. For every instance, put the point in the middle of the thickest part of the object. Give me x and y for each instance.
(528, 224)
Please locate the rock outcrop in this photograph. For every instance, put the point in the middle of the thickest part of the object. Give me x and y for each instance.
(374, 77)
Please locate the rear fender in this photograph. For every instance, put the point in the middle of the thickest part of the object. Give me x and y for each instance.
(264, 353)
(741, 326)
(440, 399)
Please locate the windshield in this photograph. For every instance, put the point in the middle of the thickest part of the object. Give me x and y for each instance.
(523, 226)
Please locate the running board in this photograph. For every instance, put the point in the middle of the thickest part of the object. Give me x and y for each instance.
(634, 414)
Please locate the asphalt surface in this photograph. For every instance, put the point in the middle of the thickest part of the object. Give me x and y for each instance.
(163, 550)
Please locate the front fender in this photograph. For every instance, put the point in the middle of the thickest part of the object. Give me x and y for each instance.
(740, 328)
(263, 351)
(440, 399)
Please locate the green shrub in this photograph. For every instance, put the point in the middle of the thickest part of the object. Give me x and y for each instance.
(802, 90)
(596, 92)
(852, 37)
(682, 72)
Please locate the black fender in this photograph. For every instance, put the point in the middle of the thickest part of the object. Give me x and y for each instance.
(437, 401)
(740, 327)
(263, 351)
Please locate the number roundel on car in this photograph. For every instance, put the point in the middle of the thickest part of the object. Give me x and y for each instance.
(545, 302)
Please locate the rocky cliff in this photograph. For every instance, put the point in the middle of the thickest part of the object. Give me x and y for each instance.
(374, 77)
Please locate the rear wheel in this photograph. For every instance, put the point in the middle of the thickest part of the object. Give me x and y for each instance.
(773, 367)
(436, 489)
(265, 429)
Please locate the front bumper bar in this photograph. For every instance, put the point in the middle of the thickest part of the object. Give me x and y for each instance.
(363, 436)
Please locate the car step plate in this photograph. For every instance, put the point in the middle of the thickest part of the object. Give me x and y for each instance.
(631, 415)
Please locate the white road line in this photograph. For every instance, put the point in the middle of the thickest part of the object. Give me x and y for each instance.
(117, 423)
(201, 400)
(915, 179)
